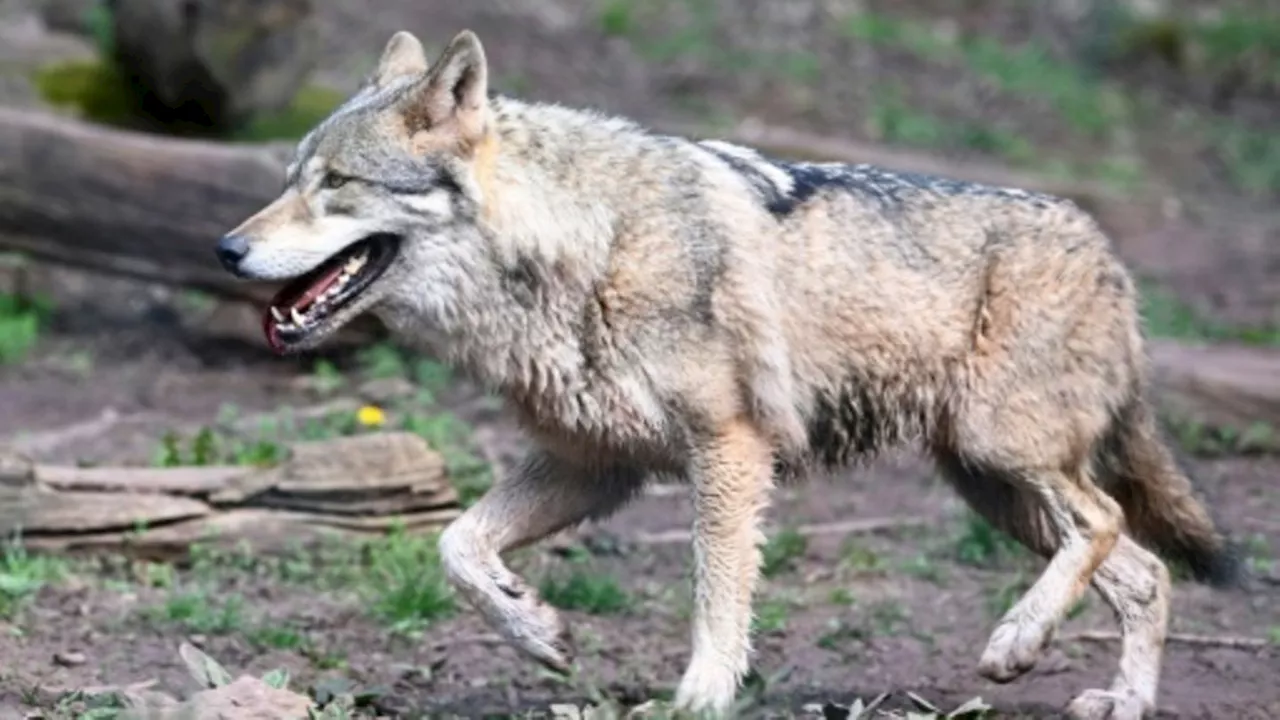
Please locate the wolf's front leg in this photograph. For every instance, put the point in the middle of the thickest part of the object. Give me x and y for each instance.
(544, 496)
(732, 474)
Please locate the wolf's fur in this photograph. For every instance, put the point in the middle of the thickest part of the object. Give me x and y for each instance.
(649, 304)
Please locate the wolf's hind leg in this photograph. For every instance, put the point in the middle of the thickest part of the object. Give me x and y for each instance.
(1133, 582)
(732, 474)
(544, 496)
(1078, 526)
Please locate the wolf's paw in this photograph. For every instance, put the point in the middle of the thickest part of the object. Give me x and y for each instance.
(1014, 649)
(537, 630)
(706, 691)
(1106, 705)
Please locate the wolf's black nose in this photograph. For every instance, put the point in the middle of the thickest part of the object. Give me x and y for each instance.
(231, 250)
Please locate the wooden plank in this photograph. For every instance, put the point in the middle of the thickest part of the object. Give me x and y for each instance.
(354, 486)
(185, 481)
(41, 511)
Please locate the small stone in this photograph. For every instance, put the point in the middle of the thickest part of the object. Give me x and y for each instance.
(70, 659)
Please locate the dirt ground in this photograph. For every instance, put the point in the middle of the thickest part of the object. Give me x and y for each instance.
(848, 615)
(904, 609)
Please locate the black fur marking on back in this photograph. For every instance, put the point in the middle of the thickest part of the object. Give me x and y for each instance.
(784, 186)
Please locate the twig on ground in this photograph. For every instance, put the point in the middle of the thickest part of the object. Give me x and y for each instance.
(483, 639)
(1220, 641)
(844, 527)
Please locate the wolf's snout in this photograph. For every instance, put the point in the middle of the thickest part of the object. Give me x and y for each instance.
(231, 250)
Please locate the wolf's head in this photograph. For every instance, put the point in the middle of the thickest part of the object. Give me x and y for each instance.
(381, 200)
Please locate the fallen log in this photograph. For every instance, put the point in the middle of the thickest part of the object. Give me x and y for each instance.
(142, 206)
(1219, 385)
(352, 486)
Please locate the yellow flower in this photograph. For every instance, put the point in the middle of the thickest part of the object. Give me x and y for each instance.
(370, 415)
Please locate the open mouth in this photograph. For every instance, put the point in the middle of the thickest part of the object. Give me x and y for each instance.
(302, 307)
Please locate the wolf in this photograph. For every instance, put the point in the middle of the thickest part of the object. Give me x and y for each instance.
(650, 305)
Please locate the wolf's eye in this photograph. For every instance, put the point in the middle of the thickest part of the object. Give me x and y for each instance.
(333, 181)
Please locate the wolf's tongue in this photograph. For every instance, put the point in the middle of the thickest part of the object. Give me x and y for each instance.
(270, 327)
(317, 288)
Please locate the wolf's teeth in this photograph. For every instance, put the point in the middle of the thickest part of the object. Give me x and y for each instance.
(355, 263)
(275, 313)
(297, 317)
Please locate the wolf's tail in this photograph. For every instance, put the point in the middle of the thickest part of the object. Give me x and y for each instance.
(1159, 502)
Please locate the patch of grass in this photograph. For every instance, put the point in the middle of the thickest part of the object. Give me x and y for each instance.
(770, 615)
(857, 557)
(209, 560)
(1252, 159)
(277, 637)
(21, 321)
(22, 575)
(782, 551)
(923, 567)
(592, 593)
(617, 18)
(893, 121)
(1029, 70)
(801, 67)
(1258, 558)
(888, 617)
(431, 375)
(694, 38)
(156, 575)
(310, 106)
(981, 543)
(382, 361)
(839, 634)
(884, 617)
(404, 580)
(841, 596)
(207, 447)
(198, 610)
(1202, 439)
(1167, 316)
(913, 37)
(326, 378)
(95, 90)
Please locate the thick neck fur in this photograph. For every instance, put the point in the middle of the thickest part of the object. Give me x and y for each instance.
(527, 323)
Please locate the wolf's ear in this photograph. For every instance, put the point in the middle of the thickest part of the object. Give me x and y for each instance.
(454, 97)
(403, 56)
